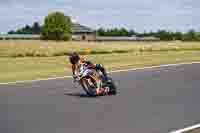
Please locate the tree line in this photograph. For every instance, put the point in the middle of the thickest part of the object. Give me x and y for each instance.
(163, 35)
(57, 26)
(34, 29)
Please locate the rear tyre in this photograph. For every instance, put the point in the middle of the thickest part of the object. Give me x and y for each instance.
(110, 83)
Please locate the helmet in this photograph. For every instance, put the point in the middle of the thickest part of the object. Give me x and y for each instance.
(74, 58)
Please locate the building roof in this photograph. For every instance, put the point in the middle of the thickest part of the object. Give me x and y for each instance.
(77, 28)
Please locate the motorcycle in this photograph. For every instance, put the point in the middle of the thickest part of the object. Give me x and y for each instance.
(91, 79)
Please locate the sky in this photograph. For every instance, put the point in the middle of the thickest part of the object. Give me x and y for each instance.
(140, 15)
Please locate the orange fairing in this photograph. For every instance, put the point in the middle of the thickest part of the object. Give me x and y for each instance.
(82, 60)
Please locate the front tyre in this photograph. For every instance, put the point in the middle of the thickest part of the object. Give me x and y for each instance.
(89, 85)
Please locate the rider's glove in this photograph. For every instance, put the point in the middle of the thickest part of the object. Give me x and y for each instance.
(76, 77)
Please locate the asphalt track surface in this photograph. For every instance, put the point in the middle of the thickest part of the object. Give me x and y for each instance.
(156, 100)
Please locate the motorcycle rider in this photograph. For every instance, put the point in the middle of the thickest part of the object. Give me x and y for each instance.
(78, 61)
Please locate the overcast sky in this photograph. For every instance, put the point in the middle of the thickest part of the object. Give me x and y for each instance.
(140, 15)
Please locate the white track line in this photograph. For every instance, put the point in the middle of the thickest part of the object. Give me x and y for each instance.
(187, 129)
(117, 71)
(167, 65)
(29, 81)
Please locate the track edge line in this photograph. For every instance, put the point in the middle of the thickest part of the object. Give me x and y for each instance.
(116, 71)
(186, 129)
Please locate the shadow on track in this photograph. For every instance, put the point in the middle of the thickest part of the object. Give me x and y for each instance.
(81, 95)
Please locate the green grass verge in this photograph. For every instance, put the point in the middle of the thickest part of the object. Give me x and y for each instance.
(29, 68)
(194, 131)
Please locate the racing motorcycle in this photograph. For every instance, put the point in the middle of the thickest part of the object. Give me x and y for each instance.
(91, 79)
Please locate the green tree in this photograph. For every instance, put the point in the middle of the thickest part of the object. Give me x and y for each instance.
(177, 36)
(101, 32)
(197, 36)
(11, 32)
(57, 26)
(36, 29)
(190, 36)
(164, 35)
(27, 30)
(131, 33)
(123, 32)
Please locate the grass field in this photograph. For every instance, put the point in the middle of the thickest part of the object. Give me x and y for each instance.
(50, 49)
(46, 59)
(194, 131)
(29, 68)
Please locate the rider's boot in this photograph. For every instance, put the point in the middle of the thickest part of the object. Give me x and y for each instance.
(100, 91)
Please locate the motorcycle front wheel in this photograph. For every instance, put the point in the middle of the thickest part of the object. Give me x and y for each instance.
(89, 85)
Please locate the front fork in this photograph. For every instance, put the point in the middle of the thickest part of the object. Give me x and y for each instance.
(98, 81)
